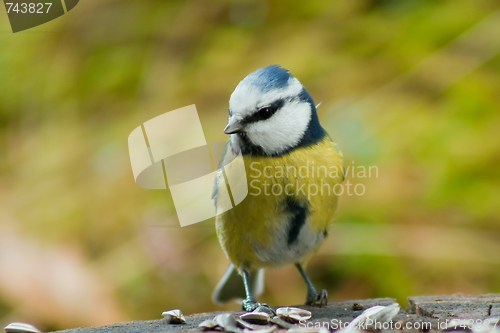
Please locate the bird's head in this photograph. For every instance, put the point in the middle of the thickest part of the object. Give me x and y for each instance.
(271, 113)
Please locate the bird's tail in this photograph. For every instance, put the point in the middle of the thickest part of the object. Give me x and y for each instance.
(231, 287)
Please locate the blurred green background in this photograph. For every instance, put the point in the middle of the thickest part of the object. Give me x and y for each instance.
(409, 86)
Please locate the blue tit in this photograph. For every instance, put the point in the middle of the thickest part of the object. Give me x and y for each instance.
(292, 170)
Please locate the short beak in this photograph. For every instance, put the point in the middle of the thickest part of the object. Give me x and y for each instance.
(234, 126)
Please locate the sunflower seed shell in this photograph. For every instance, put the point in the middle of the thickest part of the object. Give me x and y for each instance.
(174, 316)
(260, 318)
(208, 324)
(21, 328)
(293, 315)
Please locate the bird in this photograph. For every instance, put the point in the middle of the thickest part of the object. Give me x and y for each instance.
(273, 125)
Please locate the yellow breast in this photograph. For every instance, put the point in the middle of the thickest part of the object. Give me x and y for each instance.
(253, 234)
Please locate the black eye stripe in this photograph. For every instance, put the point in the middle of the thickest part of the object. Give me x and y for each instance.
(265, 112)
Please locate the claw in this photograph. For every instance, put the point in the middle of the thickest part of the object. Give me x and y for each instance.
(317, 299)
(249, 304)
(323, 298)
(263, 307)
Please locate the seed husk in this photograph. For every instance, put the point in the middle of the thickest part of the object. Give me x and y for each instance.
(208, 324)
(227, 321)
(244, 324)
(21, 328)
(262, 330)
(174, 316)
(293, 315)
(281, 323)
(260, 318)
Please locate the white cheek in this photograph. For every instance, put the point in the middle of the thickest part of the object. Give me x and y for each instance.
(283, 130)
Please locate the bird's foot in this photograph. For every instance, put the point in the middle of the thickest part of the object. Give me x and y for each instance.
(249, 304)
(317, 299)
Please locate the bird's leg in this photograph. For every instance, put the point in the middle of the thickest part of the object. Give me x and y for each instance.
(313, 297)
(249, 303)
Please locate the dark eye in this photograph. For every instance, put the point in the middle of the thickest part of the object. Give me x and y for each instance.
(266, 112)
